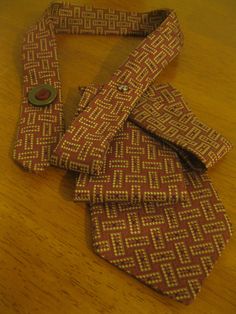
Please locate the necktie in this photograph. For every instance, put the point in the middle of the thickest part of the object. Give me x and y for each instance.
(139, 152)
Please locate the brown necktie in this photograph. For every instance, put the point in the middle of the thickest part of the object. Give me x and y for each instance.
(139, 151)
(170, 246)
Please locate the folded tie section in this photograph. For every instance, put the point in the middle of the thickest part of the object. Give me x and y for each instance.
(140, 154)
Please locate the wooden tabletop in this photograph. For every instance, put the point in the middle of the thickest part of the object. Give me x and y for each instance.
(47, 264)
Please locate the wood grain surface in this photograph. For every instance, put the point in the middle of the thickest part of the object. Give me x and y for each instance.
(47, 264)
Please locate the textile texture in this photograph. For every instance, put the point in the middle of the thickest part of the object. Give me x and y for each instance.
(140, 154)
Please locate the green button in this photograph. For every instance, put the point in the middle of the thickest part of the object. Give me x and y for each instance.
(42, 95)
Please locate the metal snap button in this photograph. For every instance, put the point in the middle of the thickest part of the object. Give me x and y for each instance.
(123, 88)
(42, 95)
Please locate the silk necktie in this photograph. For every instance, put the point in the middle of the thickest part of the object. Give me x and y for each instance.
(139, 151)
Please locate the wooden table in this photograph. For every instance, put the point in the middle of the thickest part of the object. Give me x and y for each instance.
(46, 261)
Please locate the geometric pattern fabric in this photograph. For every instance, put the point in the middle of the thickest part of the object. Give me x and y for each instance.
(137, 148)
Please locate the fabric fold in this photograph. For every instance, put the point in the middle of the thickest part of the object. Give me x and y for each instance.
(140, 154)
(84, 145)
(137, 169)
(163, 112)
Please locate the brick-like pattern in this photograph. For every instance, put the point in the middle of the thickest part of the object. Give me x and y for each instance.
(137, 169)
(170, 248)
(154, 218)
(163, 112)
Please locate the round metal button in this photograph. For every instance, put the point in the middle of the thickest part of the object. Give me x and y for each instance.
(123, 88)
(42, 95)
